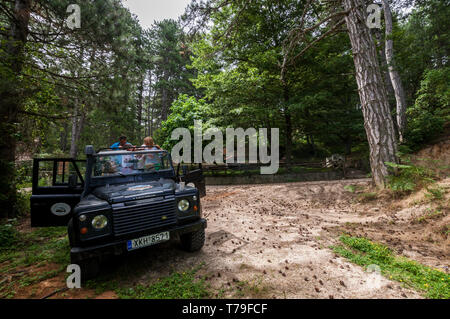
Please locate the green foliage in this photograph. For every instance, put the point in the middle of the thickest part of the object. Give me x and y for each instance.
(112, 77)
(435, 283)
(431, 110)
(40, 247)
(350, 188)
(241, 78)
(176, 286)
(23, 203)
(23, 175)
(435, 193)
(407, 178)
(430, 214)
(8, 236)
(184, 111)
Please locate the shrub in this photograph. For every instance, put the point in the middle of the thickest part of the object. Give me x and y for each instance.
(431, 110)
(8, 236)
(23, 203)
(408, 177)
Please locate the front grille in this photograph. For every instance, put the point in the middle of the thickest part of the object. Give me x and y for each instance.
(132, 219)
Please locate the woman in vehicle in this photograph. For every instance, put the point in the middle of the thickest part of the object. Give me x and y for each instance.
(150, 144)
(149, 161)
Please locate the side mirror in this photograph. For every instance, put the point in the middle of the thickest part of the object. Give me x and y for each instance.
(73, 179)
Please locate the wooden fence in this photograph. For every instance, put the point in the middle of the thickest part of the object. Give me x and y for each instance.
(215, 168)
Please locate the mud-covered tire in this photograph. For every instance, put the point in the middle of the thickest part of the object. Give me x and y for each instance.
(193, 241)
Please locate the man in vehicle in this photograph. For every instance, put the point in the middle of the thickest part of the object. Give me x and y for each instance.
(121, 144)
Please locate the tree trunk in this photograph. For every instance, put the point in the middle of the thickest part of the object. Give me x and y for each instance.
(393, 74)
(165, 101)
(12, 61)
(348, 145)
(378, 122)
(311, 145)
(384, 65)
(288, 123)
(77, 127)
(63, 137)
(139, 108)
(165, 94)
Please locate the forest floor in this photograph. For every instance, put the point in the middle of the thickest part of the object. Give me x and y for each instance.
(273, 241)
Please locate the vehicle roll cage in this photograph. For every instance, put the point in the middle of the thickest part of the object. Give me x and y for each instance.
(129, 149)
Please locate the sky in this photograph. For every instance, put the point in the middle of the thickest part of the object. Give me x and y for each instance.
(150, 10)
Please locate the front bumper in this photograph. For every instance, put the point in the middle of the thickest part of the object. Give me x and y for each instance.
(118, 247)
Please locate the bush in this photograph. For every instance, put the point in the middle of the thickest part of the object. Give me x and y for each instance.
(407, 177)
(23, 203)
(8, 236)
(431, 110)
(23, 174)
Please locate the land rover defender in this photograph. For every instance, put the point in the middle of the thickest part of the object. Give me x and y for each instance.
(128, 199)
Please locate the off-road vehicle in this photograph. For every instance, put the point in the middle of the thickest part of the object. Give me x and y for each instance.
(128, 199)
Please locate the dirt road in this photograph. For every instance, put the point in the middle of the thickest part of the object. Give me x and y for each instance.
(273, 241)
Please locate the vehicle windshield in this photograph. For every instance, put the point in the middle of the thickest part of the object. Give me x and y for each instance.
(111, 163)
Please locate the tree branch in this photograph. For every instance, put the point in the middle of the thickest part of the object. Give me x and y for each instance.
(54, 117)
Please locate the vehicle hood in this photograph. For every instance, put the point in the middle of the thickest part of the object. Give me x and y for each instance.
(133, 191)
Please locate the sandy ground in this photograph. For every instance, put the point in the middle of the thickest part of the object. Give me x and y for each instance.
(276, 238)
(272, 241)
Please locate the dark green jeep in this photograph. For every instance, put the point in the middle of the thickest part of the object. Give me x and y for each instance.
(127, 200)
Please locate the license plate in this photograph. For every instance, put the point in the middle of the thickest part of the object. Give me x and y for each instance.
(147, 240)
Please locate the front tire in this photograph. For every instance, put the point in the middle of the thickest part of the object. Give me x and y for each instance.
(193, 241)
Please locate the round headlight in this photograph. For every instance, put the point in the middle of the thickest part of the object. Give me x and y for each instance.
(82, 218)
(99, 222)
(183, 205)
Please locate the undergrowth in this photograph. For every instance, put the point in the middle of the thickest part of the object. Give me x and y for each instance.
(361, 251)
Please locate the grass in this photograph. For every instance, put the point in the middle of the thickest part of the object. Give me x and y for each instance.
(30, 257)
(253, 288)
(37, 248)
(435, 193)
(350, 188)
(361, 251)
(430, 214)
(179, 285)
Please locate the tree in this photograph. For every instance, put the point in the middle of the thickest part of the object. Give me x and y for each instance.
(13, 57)
(313, 22)
(171, 54)
(377, 119)
(431, 110)
(393, 73)
(184, 111)
(40, 53)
